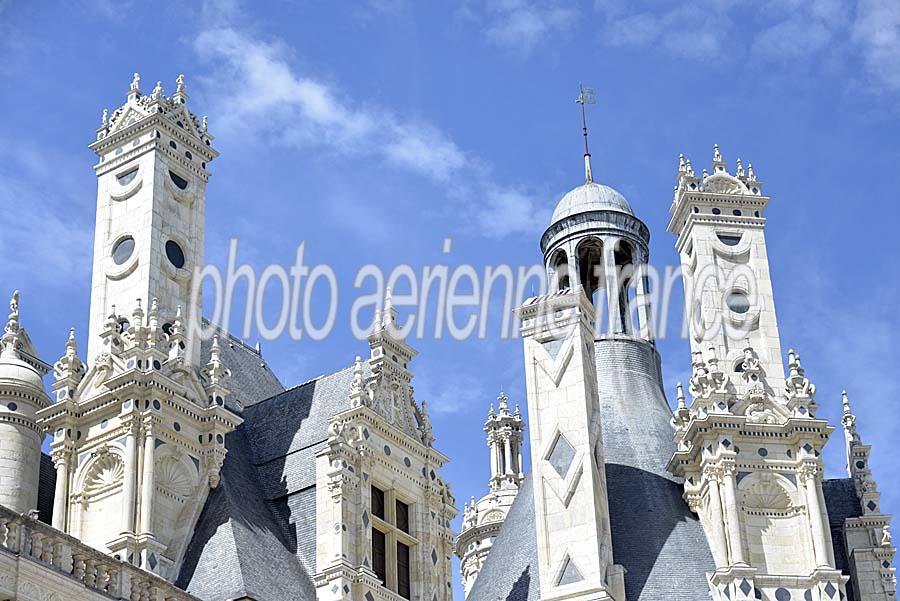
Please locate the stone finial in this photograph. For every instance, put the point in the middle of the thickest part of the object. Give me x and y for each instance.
(136, 83)
(69, 365)
(705, 174)
(845, 401)
(740, 169)
(153, 314)
(504, 402)
(681, 163)
(137, 316)
(205, 124)
(491, 412)
(718, 162)
(104, 120)
(179, 82)
(682, 404)
(886, 539)
(518, 412)
(157, 92)
(689, 168)
(751, 176)
(215, 370)
(11, 331)
(426, 428)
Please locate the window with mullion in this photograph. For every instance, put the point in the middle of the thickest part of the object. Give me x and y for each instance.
(392, 541)
(403, 582)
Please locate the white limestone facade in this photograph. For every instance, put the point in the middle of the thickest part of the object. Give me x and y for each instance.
(749, 444)
(383, 512)
(483, 519)
(151, 202)
(573, 531)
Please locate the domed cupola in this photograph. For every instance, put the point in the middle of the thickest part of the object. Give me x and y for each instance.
(594, 240)
(22, 394)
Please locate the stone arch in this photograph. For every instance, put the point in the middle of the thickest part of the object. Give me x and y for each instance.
(177, 480)
(590, 266)
(97, 519)
(559, 266)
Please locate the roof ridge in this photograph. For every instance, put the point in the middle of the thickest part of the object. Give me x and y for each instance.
(231, 336)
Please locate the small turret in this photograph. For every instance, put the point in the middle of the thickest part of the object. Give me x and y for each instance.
(21, 396)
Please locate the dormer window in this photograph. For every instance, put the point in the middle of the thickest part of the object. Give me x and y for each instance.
(178, 180)
(127, 177)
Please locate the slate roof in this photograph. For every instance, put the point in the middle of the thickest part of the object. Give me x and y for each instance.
(256, 534)
(655, 536)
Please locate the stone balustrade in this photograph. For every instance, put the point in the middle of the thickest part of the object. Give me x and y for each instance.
(39, 562)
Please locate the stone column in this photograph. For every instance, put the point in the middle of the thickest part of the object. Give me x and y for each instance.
(809, 478)
(507, 455)
(645, 328)
(148, 484)
(61, 495)
(731, 514)
(612, 285)
(717, 518)
(128, 480)
(495, 461)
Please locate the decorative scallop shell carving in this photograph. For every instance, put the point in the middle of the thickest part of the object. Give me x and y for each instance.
(767, 494)
(493, 516)
(106, 471)
(171, 477)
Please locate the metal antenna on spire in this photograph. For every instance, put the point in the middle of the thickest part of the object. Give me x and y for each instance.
(586, 96)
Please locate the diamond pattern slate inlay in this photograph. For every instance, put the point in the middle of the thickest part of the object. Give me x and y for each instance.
(830, 590)
(745, 587)
(561, 456)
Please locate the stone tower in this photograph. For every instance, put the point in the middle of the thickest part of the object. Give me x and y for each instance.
(138, 433)
(483, 519)
(151, 200)
(22, 395)
(749, 446)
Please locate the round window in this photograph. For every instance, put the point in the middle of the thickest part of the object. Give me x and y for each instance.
(123, 250)
(738, 302)
(175, 254)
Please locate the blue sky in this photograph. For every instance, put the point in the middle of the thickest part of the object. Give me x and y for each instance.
(375, 131)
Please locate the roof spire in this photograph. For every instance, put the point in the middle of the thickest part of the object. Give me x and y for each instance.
(586, 96)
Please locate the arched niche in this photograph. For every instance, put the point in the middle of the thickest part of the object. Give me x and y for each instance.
(775, 527)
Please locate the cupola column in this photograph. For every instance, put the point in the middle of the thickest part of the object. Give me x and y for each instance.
(612, 286)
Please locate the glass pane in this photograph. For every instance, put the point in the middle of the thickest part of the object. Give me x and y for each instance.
(178, 180)
(403, 571)
(379, 554)
(175, 254)
(378, 502)
(127, 178)
(122, 250)
(403, 516)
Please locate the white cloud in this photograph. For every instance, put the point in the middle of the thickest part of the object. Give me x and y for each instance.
(259, 94)
(41, 208)
(522, 25)
(803, 33)
(876, 32)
